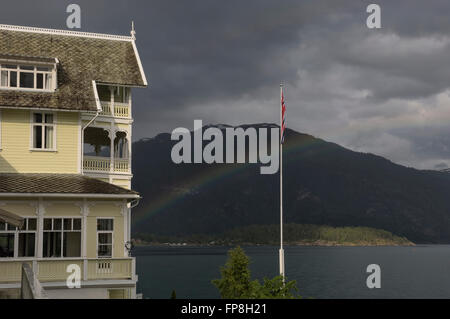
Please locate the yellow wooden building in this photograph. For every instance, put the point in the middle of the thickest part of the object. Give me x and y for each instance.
(65, 160)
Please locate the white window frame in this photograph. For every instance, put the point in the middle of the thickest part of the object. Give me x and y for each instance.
(43, 125)
(62, 231)
(26, 231)
(126, 93)
(105, 232)
(15, 249)
(35, 72)
(1, 121)
(16, 233)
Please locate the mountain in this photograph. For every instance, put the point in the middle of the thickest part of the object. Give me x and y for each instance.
(324, 184)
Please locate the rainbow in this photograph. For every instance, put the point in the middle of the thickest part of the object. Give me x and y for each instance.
(211, 176)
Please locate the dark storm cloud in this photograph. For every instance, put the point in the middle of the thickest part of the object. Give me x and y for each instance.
(222, 61)
(194, 51)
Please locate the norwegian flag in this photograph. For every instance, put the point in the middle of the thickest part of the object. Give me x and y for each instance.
(283, 117)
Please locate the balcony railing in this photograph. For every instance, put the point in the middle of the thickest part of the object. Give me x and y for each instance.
(121, 110)
(55, 270)
(103, 164)
(121, 165)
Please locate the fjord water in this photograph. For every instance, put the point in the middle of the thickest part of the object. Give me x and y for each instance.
(321, 272)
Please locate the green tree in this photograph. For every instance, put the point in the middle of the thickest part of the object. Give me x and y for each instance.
(275, 289)
(236, 281)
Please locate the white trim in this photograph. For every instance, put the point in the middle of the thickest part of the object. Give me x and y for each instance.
(16, 233)
(65, 32)
(107, 119)
(7, 260)
(41, 150)
(1, 122)
(40, 212)
(43, 109)
(144, 78)
(54, 149)
(97, 232)
(32, 203)
(112, 137)
(105, 175)
(103, 283)
(130, 149)
(117, 175)
(80, 146)
(19, 70)
(62, 231)
(125, 227)
(85, 214)
(27, 60)
(83, 127)
(97, 99)
(129, 222)
(60, 195)
(25, 90)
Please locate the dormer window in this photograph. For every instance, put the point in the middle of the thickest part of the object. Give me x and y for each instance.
(121, 93)
(27, 77)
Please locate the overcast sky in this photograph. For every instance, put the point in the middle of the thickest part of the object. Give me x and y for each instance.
(383, 91)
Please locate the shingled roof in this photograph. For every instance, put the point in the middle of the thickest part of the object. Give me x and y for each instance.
(83, 58)
(16, 183)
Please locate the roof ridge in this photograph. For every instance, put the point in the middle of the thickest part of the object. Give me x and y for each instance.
(103, 36)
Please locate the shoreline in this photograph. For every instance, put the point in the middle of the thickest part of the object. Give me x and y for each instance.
(292, 244)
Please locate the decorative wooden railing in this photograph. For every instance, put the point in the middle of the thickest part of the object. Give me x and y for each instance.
(55, 270)
(121, 165)
(97, 164)
(109, 269)
(103, 164)
(120, 110)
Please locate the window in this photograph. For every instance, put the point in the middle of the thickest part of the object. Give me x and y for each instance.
(121, 146)
(26, 238)
(7, 238)
(29, 77)
(43, 131)
(62, 237)
(104, 93)
(96, 142)
(105, 228)
(0, 130)
(121, 94)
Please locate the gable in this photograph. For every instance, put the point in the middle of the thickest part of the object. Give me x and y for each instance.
(81, 59)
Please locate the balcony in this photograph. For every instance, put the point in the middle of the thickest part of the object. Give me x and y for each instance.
(54, 270)
(106, 151)
(96, 164)
(116, 109)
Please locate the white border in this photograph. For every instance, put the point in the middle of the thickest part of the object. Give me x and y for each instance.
(105, 232)
(1, 124)
(70, 195)
(66, 32)
(54, 149)
(144, 78)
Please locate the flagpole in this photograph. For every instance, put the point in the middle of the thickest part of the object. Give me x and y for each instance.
(281, 188)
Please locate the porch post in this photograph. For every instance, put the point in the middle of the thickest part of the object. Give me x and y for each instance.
(112, 134)
(40, 211)
(85, 213)
(125, 227)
